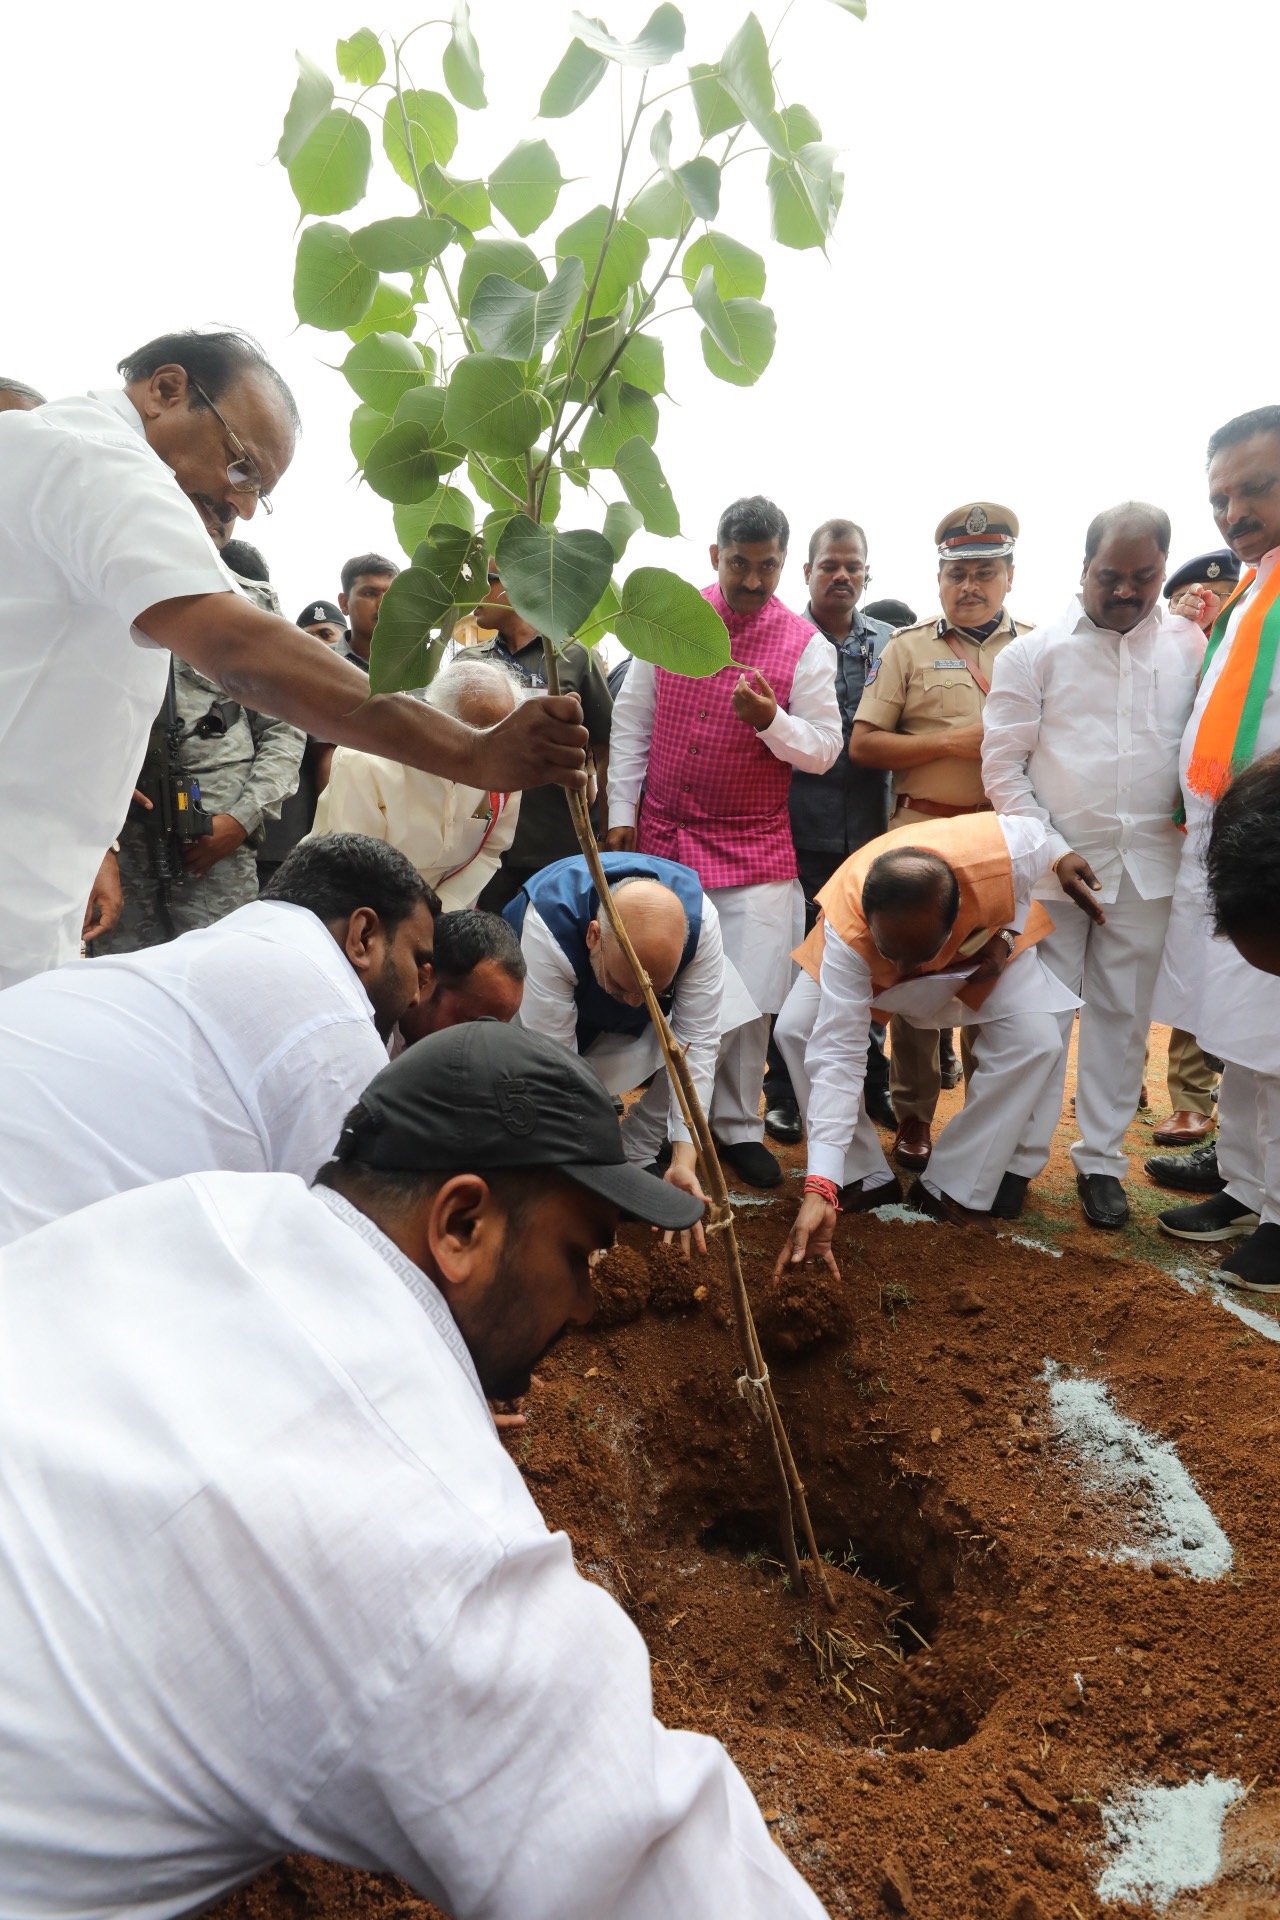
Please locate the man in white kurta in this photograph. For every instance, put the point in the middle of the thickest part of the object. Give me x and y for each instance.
(237, 1046)
(269, 1580)
(1205, 986)
(713, 758)
(980, 1158)
(454, 835)
(1081, 732)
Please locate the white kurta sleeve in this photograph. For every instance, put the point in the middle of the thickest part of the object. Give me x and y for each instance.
(517, 1772)
(629, 737)
(835, 1058)
(695, 1014)
(548, 1006)
(808, 736)
(1033, 848)
(1010, 730)
(477, 873)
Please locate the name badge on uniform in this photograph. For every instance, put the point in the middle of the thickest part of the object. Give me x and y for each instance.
(950, 661)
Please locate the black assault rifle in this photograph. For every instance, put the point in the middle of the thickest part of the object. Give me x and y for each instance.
(175, 815)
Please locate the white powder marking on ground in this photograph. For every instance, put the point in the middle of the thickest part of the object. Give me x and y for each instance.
(907, 1216)
(750, 1199)
(1166, 1840)
(1036, 1246)
(1262, 1323)
(1139, 1476)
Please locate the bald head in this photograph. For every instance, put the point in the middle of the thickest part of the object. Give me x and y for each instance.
(910, 899)
(657, 928)
(17, 397)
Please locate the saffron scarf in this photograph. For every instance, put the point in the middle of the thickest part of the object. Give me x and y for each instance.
(1227, 736)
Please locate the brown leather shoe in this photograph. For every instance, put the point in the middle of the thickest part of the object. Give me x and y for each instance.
(1183, 1129)
(948, 1212)
(912, 1145)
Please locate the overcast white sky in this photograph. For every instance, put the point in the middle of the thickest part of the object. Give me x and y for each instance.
(1040, 291)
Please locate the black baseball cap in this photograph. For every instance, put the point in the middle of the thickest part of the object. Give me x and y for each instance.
(317, 612)
(483, 1096)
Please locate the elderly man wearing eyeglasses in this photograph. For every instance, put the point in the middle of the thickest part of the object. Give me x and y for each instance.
(108, 505)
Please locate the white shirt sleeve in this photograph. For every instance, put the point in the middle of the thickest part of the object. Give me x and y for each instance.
(109, 513)
(517, 1772)
(629, 738)
(548, 1006)
(695, 1014)
(1033, 850)
(835, 1058)
(1010, 730)
(306, 1094)
(808, 736)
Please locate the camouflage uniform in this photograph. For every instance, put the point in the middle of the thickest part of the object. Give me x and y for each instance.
(246, 772)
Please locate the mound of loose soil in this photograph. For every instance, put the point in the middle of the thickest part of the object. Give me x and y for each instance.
(939, 1745)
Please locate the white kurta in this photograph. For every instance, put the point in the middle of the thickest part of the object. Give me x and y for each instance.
(442, 827)
(94, 529)
(242, 1046)
(1204, 985)
(823, 1031)
(709, 1001)
(269, 1581)
(1081, 731)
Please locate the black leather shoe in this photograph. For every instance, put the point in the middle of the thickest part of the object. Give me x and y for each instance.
(1103, 1199)
(1195, 1172)
(880, 1108)
(782, 1123)
(1255, 1263)
(946, 1211)
(751, 1160)
(858, 1197)
(1011, 1197)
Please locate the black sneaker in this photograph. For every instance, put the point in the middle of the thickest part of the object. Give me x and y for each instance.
(880, 1108)
(1103, 1200)
(1254, 1265)
(751, 1160)
(1194, 1172)
(1220, 1218)
(1010, 1197)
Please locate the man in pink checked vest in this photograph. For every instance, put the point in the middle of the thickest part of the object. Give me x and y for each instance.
(714, 759)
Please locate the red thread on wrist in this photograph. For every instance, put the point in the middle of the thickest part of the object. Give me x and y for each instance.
(825, 1189)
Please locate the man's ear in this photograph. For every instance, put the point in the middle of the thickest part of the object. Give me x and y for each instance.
(464, 1231)
(593, 935)
(1009, 582)
(715, 557)
(342, 603)
(364, 940)
(806, 568)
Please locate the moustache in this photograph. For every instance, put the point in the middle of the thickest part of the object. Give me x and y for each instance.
(1242, 529)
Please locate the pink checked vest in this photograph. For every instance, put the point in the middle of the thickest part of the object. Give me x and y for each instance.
(715, 798)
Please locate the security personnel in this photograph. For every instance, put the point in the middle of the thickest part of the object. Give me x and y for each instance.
(1200, 590)
(921, 719)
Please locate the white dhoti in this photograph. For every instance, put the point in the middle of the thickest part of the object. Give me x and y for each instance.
(1249, 1140)
(1114, 967)
(1017, 1043)
(760, 927)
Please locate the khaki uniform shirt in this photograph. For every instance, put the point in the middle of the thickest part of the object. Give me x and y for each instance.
(922, 684)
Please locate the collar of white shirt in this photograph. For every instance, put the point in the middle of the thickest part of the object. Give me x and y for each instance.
(423, 1289)
(1079, 622)
(119, 402)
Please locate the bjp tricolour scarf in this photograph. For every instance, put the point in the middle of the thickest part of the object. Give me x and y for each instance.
(1227, 736)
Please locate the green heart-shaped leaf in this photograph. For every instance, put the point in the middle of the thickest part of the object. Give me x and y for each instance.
(425, 127)
(574, 80)
(312, 99)
(553, 579)
(526, 185)
(659, 40)
(738, 272)
(508, 318)
(401, 466)
(493, 406)
(403, 243)
(361, 59)
(331, 288)
(330, 170)
(460, 62)
(645, 486)
(383, 367)
(415, 620)
(664, 620)
(447, 506)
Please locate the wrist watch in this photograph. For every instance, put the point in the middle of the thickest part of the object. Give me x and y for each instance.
(1009, 937)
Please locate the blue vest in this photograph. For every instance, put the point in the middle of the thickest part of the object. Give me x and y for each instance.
(565, 897)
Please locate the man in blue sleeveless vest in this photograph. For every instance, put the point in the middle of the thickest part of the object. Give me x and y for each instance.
(580, 990)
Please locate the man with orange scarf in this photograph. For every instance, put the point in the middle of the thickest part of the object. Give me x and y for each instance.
(1206, 986)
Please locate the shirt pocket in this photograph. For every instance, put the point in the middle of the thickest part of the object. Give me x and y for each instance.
(1169, 698)
(948, 693)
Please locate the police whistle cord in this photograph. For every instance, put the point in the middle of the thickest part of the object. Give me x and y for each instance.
(754, 1385)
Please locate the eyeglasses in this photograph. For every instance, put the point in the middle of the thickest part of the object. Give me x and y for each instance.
(243, 472)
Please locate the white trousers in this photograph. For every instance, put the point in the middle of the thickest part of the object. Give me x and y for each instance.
(1249, 1140)
(1113, 967)
(1015, 1061)
(759, 926)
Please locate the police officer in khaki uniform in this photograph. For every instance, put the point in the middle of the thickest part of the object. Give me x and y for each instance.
(921, 719)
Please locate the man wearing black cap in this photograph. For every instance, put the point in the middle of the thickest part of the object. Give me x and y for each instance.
(324, 620)
(338, 1622)
(1198, 591)
(921, 718)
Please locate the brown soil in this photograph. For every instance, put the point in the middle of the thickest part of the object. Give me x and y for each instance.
(926, 1750)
